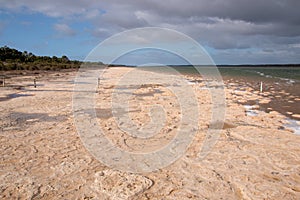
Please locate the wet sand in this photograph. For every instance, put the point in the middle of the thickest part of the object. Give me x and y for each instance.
(281, 96)
(42, 156)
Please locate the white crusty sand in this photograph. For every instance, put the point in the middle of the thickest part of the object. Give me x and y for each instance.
(42, 156)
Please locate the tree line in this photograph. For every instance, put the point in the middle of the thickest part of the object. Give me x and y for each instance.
(13, 59)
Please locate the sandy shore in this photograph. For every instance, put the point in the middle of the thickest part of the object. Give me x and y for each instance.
(43, 157)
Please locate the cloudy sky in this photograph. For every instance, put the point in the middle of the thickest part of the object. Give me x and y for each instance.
(232, 31)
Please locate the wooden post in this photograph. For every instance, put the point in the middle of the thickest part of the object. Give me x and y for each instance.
(260, 87)
(98, 82)
(34, 82)
(3, 82)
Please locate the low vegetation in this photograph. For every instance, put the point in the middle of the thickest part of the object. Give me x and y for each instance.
(12, 59)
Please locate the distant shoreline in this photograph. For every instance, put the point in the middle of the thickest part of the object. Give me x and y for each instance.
(13, 59)
(242, 65)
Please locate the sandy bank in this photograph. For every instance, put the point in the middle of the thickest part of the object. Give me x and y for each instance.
(42, 156)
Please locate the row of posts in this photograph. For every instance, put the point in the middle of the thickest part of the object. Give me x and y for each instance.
(34, 84)
(3, 82)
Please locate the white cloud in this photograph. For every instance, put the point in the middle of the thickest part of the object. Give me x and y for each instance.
(295, 45)
(64, 30)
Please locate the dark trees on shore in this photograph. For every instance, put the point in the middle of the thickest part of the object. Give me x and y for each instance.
(13, 59)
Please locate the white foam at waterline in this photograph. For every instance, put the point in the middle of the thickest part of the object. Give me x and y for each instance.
(260, 73)
(293, 124)
(250, 111)
(203, 88)
(192, 82)
(248, 107)
(288, 80)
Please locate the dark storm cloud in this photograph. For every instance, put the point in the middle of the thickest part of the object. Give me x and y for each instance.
(255, 11)
(211, 20)
(220, 24)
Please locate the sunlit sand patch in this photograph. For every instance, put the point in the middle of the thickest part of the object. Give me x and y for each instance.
(120, 185)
